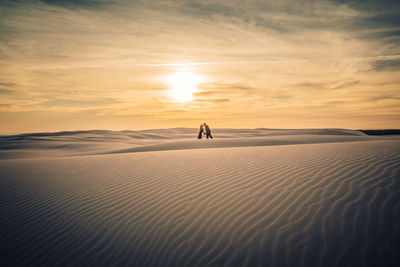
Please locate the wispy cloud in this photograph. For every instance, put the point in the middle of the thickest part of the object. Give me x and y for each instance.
(387, 65)
(77, 3)
(5, 91)
(261, 60)
(214, 100)
(328, 85)
(281, 97)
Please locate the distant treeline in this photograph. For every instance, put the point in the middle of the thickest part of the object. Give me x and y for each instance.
(381, 132)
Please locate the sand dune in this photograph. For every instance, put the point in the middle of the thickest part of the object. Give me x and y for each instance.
(102, 142)
(304, 204)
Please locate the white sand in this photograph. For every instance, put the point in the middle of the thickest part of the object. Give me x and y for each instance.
(102, 142)
(247, 198)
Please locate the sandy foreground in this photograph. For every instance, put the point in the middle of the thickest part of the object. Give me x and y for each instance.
(256, 197)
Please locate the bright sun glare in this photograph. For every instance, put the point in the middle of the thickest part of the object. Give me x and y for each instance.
(183, 85)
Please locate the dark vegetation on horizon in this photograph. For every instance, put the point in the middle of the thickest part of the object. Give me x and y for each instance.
(381, 132)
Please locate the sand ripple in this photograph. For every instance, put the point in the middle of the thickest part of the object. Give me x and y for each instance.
(298, 205)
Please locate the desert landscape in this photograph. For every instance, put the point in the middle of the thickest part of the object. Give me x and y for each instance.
(189, 133)
(248, 197)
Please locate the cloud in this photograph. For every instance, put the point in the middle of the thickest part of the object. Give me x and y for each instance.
(224, 86)
(312, 85)
(7, 84)
(383, 97)
(76, 4)
(377, 19)
(7, 87)
(281, 97)
(370, 5)
(110, 55)
(387, 65)
(333, 85)
(387, 20)
(388, 37)
(213, 100)
(387, 33)
(6, 91)
(223, 89)
(208, 9)
(76, 103)
(344, 85)
(335, 103)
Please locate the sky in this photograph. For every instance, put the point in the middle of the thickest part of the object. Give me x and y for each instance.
(120, 65)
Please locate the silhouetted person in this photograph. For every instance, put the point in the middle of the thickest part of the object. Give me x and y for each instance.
(200, 132)
(208, 131)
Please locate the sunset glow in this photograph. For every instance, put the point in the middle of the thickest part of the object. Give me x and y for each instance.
(71, 65)
(199, 133)
(183, 85)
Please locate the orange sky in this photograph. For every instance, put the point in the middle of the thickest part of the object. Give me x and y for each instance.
(68, 65)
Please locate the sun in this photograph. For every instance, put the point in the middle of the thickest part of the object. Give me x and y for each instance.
(183, 85)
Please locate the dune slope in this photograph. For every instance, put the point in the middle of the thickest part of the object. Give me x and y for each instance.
(104, 142)
(329, 204)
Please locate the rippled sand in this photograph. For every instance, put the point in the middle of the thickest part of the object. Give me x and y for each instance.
(335, 202)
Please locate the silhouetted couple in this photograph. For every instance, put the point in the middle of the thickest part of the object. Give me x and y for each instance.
(204, 129)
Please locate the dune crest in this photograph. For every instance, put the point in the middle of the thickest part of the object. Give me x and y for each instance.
(75, 143)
